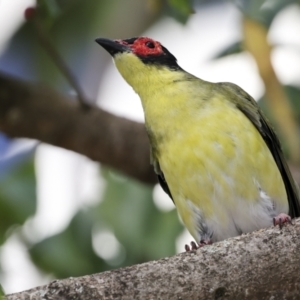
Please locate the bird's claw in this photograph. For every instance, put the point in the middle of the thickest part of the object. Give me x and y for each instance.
(282, 219)
(195, 246)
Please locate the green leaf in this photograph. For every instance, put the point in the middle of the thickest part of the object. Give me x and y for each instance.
(70, 253)
(17, 197)
(293, 94)
(263, 11)
(48, 11)
(234, 48)
(128, 209)
(181, 9)
(1, 292)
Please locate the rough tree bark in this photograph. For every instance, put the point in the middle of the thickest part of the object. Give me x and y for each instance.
(262, 265)
(38, 112)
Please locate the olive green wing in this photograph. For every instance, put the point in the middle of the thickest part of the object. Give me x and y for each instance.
(160, 175)
(250, 108)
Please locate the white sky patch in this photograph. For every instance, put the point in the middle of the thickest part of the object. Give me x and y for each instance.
(286, 62)
(183, 239)
(285, 35)
(19, 273)
(239, 69)
(106, 246)
(65, 181)
(285, 27)
(161, 200)
(122, 101)
(17, 147)
(12, 17)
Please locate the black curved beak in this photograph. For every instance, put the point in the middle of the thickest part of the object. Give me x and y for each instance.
(112, 47)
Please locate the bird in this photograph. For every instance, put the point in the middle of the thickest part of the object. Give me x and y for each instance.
(214, 152)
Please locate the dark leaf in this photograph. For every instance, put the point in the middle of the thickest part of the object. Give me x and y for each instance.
(181, 9)
(293, 94)
(231, 49)
(263, 11)
(17, 197)
(145, 232)
(69, 253)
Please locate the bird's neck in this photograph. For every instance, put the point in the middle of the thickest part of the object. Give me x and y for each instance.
(170, 103)
(147, 79)
(168, 96)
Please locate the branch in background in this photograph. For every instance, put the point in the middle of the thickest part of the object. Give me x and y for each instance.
(37, 112)
(256, 42)
(262, 265)
(32, 15)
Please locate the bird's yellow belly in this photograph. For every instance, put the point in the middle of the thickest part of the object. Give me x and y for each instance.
(222, 176)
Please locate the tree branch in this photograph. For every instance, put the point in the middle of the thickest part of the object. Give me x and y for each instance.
(261, 265)
(38, 112)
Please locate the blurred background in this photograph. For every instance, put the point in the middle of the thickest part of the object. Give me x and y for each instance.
(64, 215)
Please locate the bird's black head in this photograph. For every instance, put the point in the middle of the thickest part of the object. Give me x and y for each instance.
(148, 50)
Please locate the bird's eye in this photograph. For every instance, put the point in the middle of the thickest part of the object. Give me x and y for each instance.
(150, 44)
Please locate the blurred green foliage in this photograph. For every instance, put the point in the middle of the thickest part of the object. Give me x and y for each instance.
(293, 94)
(70, 252)
(234, 48)
(127, 209)
(49, 11)
(180, 9)
(1, 292)
(262, 11)
(17, 197)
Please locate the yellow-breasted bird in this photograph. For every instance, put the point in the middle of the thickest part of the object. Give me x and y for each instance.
(213, 151)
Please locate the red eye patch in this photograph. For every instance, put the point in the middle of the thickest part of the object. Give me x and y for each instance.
(144, 46)
(149, 51)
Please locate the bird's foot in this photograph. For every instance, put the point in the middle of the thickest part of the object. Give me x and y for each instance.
(282, 219)
(195, 246)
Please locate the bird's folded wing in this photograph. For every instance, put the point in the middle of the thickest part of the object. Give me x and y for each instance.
(249, 107)
(161, 178)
